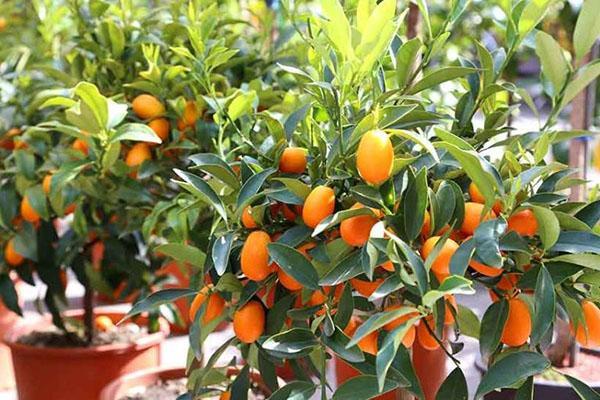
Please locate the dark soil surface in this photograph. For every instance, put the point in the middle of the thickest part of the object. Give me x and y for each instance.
(126, 333)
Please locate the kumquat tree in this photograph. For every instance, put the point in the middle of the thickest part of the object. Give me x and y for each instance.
(345, 229)
(333, 199)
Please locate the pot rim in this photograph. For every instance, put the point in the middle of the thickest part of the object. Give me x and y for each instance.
(172, 372)
(142, 343)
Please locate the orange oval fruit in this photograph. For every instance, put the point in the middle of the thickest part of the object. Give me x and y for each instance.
(319, 204)
(368, 344)
(287, 281)
(254, 257)
(441, 264)
(225, 396)
(191, 113)
(426, 228)
(161, 127)
(355, 231)
(247, 220)
(388, 266)
(473, 217)
(508, 284)
(11, 256)
(425, 338)
(477, 197)
(365, 288)
(46, 184)
(81, 145)
(249, 322)
(293, 160)
(523, 222)
(103, 323)
(518, 324)
(214, 307)
(28, 212)
(375, 157)
(146, 106)
(485, 269)
(591, 316)
(139, 153)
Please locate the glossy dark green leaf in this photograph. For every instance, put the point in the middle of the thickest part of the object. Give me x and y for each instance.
(510, 370)
(8, 294)
(486, 238)
(545, 306)
(414, 204)
(346, 269)
(158, 298)
(294, 118)
(590, 214)
(214, 165)
(295, 235)
(378, 321)
(439, 76)
(338, 217)
(362, 387)
(345, 307)
(468, 322)
(454, 387)
(298, 390)
(182, 252)
(548, 225)
(252, 186)
(295, 264)
(577, 242)
(241, 384)
(451, 285)
(461, 258)
(525, 392)
(200, 188)
(278, 313)
(221, 251)
(135, 132)
(338, 343)
(582, 389)
(492, 325)
(294, 343)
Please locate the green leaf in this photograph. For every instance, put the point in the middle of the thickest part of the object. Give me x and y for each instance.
(587, 28)
(439, 76)
(583, 390)
(135, 132)
(344, 270)
(338, 343)
(492, 325)
(294, 343)
(545, 305)
(414, 203)
(468, 322)
(510, 370)
(577, 242)
(156, 299)
(337, 27)
(296, 186)
(241, 384)
(418, 139)
(525, 392)
(451, 285)
(214, 165)
(252, 186)
(532, 14)
(294, 118)
(362, 387)
(378, 321)
(182, 252)
(591, 261)
(590, 214)
(405, 60)
(297, 390)
(242, 104)
(8, 294)
(294, 264)
(548, 226)
(37, 200)
(95, 102)
(338, 217)
(220, 252)
(201, 189)
(554, 65)
(584, 77)
(454, 387)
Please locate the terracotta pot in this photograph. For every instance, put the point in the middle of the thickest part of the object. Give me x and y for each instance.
(78, 373)
(147, 377)
(120, 386)
(430, 367)
(8, 319)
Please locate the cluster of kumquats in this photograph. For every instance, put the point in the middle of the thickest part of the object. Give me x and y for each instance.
(374, 159)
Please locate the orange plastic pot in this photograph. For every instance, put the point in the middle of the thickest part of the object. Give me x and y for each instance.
(430, 367)
(78, 373)
(8, 319)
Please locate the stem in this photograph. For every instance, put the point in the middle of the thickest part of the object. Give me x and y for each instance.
(88, 317)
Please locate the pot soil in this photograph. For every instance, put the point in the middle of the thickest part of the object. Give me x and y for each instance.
(554, 386)
(75, 372)
(143, 385)
(8, 320)
(430, 367)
